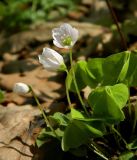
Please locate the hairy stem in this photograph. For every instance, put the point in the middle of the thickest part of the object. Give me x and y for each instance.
(76, 86)
(115, 131)
(135, 119)
(95, 150)
(44, 115)
(67, 92)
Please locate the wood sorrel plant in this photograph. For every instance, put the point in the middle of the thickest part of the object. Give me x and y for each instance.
(110, 80)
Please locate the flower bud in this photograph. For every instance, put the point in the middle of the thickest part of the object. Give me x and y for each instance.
(51, 60)
(21, 88)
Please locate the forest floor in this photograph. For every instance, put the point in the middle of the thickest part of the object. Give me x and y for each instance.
(19, 115)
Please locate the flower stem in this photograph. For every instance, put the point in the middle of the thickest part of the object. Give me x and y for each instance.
(129, 106)
(76, 86)
(98, 152)
(44, 115)
(113, 129)
(67, 91)
(135, 119)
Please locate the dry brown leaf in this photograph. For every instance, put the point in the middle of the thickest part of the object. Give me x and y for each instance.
(44, 83)
(14, 137)
(42, 33)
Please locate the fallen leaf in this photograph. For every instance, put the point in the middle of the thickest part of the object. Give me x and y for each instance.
(42, 33)
(14, 136)
(47, 85)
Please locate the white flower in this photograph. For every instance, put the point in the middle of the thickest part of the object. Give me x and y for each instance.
(65, 36)
(51, 60)
(21, 88)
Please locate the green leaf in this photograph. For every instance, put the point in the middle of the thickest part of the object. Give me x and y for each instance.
(83, 76)
(78, 133)
(133, 144)
(75, 114)
(98, 71)
(127, 156)
(123, 66)
(1, 96)
(60, 119)
(43, 137)
(124, 69)
(107, 102)
(131, 76)
(79, 152)
(102, 68)
(47, 135)
(69, 79)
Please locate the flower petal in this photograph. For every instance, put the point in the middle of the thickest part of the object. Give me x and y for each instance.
(56, 43)
(50, 59)
(55, 55)
(66, 29)
(61, 34)
(48, 65)
(59, 45)
(52, 65)
(74, 35)
(21, 88)
(57, 33)
(40, 58)
(50, 53)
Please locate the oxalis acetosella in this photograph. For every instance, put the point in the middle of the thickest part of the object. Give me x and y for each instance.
(103, 108)
(21, 88)
(65, 36)
(51, 60)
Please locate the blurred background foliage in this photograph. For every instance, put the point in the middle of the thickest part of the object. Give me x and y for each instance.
(19, 13)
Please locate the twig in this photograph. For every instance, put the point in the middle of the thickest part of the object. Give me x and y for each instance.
(123, 40)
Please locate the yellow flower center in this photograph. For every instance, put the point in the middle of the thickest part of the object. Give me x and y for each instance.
(67, 41)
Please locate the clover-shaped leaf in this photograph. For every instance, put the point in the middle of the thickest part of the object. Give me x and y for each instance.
(79, 132)
(107, 102)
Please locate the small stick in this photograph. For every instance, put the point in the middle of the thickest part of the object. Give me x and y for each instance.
(123, 40)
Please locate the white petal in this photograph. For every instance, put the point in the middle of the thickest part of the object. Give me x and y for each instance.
(66, 28)
(50, 59)
(57, 34)
(20, 88)
(47, 52)
(62, 32)
(74, 35)
(54, 55)
(56, 43)
(43, 61)
(41, 58)
(51, 65)
(48, 65)
(59, 45)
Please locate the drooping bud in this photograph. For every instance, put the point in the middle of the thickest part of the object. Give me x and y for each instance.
(21, 88)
